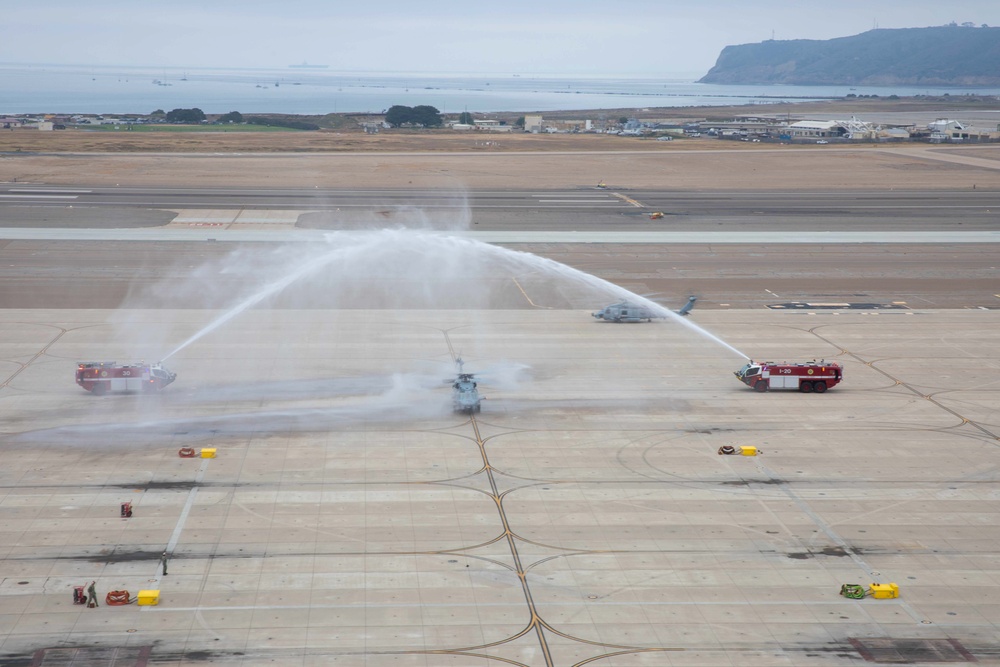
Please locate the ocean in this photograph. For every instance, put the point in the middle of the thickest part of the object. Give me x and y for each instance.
(28, 89)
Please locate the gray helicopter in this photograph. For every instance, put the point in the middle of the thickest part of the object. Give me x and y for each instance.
(623, 311)
(464, 394)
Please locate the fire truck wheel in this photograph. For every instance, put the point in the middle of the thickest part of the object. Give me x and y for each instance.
(819, 387)
(99, 389)
(761, 386)
(805, 387)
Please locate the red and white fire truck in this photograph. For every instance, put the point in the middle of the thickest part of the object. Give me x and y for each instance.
(817, 376)
(102, 377)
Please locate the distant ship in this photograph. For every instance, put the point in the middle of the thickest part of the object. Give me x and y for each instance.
(305, 65)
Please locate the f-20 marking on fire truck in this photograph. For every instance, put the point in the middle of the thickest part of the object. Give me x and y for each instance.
(102, 377)
(810, 376)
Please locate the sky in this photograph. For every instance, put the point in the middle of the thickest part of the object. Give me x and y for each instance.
(581, 38)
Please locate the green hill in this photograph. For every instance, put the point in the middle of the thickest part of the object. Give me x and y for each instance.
(943, 56)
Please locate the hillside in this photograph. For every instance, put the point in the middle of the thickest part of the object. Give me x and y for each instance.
(942, 56)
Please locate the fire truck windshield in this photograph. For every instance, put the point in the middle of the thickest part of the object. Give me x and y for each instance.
(749, 370)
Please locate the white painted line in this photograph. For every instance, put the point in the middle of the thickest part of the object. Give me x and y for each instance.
(52, 190)
(179, 528)
(473, 605)
(649, 237)
(39, 196)
(628, 199)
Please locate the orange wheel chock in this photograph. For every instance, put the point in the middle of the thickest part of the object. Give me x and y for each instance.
(186, 453)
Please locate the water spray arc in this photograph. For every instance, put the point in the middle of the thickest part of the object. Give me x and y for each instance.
(298, 273)
(402, 269)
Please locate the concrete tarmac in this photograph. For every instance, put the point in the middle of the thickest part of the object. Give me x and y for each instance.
(584, 517)
(102, 268)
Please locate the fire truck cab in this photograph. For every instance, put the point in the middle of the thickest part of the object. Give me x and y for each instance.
(102, 377)
(817, 376)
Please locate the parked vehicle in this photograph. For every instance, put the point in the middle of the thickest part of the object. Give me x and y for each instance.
(817, 376)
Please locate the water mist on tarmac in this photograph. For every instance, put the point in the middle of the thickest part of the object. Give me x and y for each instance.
(403, 269)
(415, 268)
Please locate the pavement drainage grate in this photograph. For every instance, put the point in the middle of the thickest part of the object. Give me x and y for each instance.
(93, 656)
(892, 651)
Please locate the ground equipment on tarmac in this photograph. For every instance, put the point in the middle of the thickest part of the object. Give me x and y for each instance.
(102, 377)
(817, 376)
(853, 591)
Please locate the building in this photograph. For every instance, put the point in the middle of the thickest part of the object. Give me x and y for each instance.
(944, 129)
(491, 125)
(815, 129)
(533, 123)
(852, 128)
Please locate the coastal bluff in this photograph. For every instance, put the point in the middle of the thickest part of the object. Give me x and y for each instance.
(940, 56)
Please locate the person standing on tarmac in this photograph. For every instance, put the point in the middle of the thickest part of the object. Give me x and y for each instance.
(92, 595)
(163, 562)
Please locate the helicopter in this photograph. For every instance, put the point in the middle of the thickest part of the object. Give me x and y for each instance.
(623, 311)
(464, 394)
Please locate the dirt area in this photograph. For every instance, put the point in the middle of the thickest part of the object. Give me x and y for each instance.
(738, 168)
(324, 141)
(457, 160)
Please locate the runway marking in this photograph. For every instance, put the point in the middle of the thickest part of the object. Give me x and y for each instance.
(528, 297)
(33, 359)
(628, 199)
(473, 605)
(50, 190)
(39, 196)
(536, 623)
(179, 528)
(834, 536)
(772, 294)
(613, 237)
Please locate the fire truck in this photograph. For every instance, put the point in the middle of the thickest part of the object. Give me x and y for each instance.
(102, 377)
(817, 376)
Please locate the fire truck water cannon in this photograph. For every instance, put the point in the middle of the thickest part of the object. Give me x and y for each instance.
(812, 376)
(103, 377)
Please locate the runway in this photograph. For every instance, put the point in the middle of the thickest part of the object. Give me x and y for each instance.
(588, 209)
(585, 516)
(85, 268)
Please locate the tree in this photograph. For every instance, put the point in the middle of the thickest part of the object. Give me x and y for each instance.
(427, 116)
(231, 117)
(397, 115)
(622, 120)
(195, 115)
(465, 118)
(519, 122)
